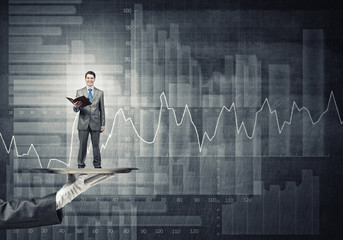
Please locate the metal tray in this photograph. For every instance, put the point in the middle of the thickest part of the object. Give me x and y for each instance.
(82, 170)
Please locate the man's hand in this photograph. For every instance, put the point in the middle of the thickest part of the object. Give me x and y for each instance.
(76, 186)
(77, 104)
(102, 129)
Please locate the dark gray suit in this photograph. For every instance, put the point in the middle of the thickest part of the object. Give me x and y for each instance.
(29, 213)
(91, 119)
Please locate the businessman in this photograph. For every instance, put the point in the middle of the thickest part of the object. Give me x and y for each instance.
(91, 120)
(47, 210)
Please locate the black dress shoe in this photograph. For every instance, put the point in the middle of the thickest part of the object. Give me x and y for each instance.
(97, 167)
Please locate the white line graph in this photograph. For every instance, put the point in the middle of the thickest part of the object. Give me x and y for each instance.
(163, 98)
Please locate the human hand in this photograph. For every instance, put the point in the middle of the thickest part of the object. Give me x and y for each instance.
(102, 128)
(76, 186)
(77, 104)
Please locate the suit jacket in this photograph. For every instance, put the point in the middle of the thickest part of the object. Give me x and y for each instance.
(29, 213)
(92, 115)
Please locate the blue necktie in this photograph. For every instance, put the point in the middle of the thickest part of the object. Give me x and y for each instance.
(90, 96)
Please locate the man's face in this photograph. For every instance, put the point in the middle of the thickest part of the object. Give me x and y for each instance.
(89, 80)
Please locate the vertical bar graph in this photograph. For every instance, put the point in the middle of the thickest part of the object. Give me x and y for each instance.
(276, 211)
(231, 112)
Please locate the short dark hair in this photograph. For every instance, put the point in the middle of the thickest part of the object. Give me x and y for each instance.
(91, 73)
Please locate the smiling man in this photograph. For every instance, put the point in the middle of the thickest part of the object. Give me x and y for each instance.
(91, 120)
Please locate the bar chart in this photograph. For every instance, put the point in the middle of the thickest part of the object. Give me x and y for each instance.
(231, 112)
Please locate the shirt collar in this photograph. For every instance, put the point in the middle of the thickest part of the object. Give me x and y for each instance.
(90, 88)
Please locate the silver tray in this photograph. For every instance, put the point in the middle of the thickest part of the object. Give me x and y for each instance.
(82, 170)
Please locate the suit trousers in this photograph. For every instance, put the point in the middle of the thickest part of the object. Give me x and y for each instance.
(83, 137)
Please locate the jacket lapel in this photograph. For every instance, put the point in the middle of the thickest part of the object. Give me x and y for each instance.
(85, 92)
(96, 91)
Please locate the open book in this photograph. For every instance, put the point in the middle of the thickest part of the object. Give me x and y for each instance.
(85, 101)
